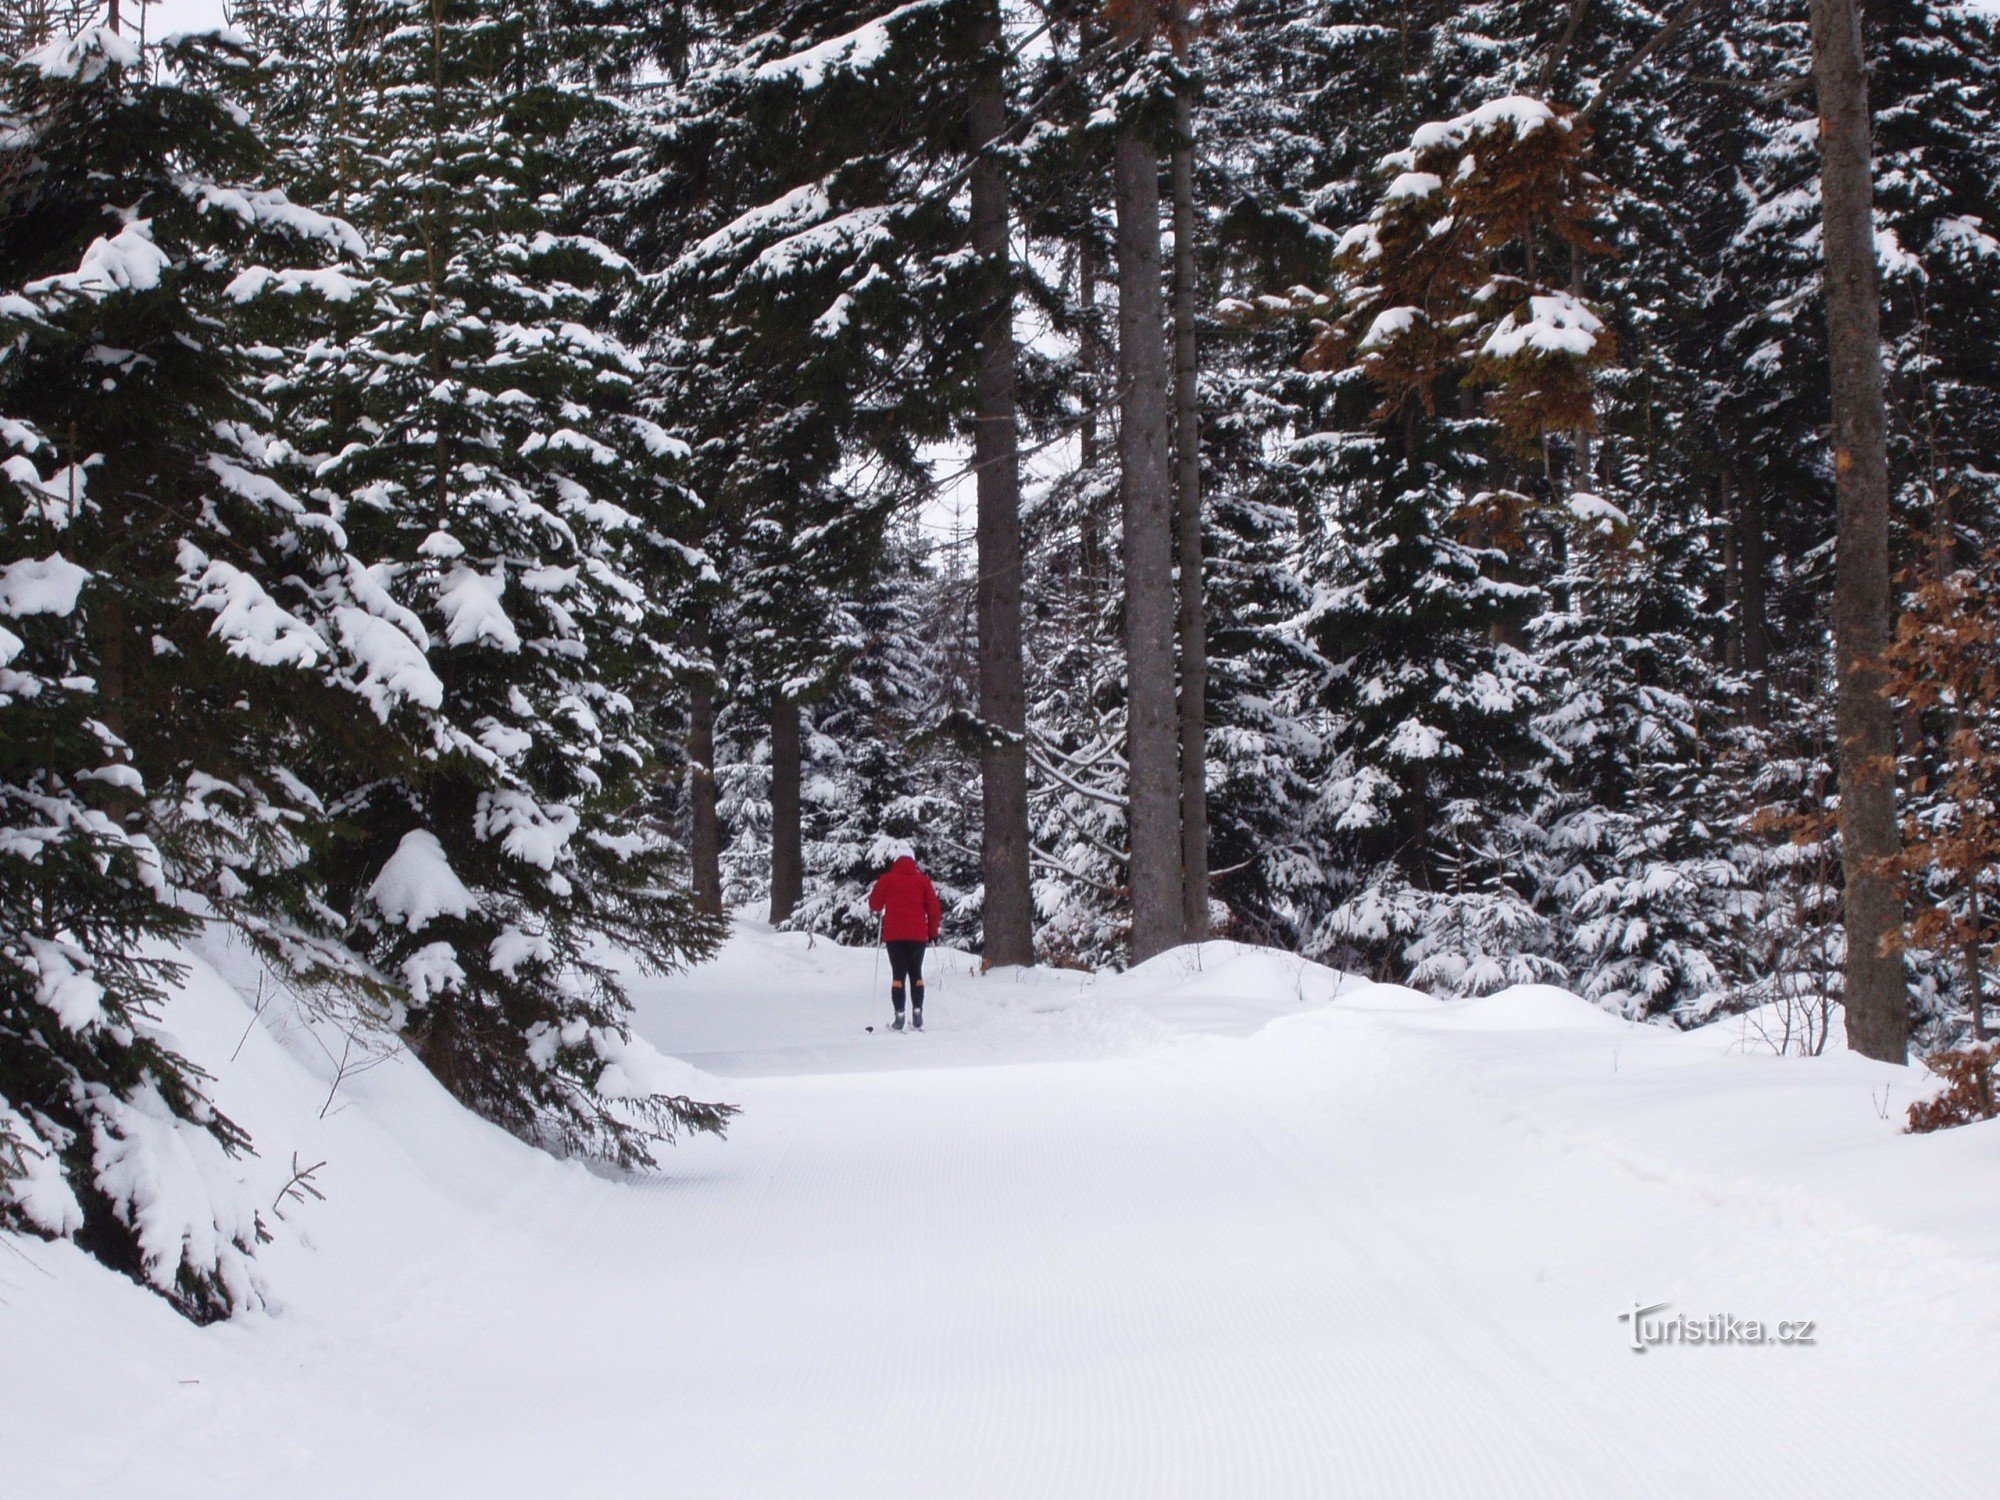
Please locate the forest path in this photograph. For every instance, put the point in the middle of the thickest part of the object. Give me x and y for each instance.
(1224, 1226)
(1217, 1228)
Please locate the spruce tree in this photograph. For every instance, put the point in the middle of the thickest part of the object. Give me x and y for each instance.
(171, 638)
(491, 464)
(1444, 294)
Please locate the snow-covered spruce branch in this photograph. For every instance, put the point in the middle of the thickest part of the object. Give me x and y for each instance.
(1110, 799)
(1042, 857)
(1116, 856)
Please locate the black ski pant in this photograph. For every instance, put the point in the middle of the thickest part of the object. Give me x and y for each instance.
(906, 961)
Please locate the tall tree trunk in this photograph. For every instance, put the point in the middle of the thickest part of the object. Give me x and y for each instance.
(1753, 562)
(704, 826)
(1008, 911)
(1975, 992)
(1747, 550)
(1090, 354)
(1187, 525)
(787, 853)
(1876, 1001)
(1146, 499)
(1732, 580)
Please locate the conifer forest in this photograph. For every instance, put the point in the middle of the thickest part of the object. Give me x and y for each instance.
(1472, 494)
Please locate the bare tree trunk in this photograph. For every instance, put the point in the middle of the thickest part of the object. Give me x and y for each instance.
(787, 852)
(1146, 499)
(1753, 553)
(1749, 550)
(704, 826)
(1187, 525)
(1093, 356)
(1090, 353)
(1975, 992)
(1008, 911)
(1877, 1002)
(1732, 578)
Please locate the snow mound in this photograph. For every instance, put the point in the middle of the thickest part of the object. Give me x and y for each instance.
(1361, 995)
(1531, 1007)
(1222, 986)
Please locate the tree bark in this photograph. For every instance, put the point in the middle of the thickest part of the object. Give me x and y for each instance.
(1146, 500)
(1008, 910)
(704, 826)
(787, 852)
(1877, 1003)
(1753, 563)
(1747, 550)
(1090, 353)
(1187, 526)
(1732, 580)
(1975, 992)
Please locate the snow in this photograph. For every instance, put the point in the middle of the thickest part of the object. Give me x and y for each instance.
(254, 624)
(393, 667)
(1597, 512)
(1388, 326)
(470, 601)
(259, 489)
(329, 284)
(1362, 242)
(65, 984)
(418, 884)
(1229, 1224)
(40, 586)
(174, 1181)
(128, 261)
(1968, 234)
(431, 971)
(659, 442)
(849, 234)
(803, 205)
(84, 56)
(268, 208)
(1556, 324)
(515, 947)
(855, 51)
(1417, 741)
(1517, 113)
(37, 1185)
(527, 831)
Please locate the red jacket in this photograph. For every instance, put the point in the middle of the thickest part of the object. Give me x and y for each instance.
(908, 903)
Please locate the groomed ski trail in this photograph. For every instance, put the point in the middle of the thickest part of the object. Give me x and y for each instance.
(1226, 1226)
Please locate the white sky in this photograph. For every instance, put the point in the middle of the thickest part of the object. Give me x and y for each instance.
(165, 17)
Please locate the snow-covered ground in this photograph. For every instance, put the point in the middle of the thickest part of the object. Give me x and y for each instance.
(1224, 1226)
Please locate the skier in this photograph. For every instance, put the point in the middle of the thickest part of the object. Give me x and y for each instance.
(911, 917)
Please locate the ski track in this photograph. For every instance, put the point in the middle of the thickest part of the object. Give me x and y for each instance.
(1218, 1238)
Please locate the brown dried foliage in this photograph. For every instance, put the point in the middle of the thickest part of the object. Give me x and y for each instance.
(1945, 666)
(1176, 22)
(1968, 1092)
(1502, 199)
